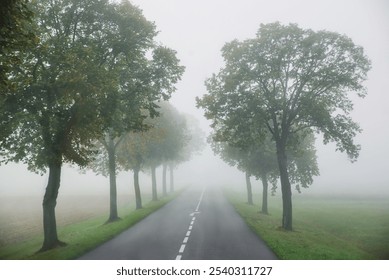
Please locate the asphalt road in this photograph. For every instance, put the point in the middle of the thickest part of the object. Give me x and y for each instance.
(198, 225)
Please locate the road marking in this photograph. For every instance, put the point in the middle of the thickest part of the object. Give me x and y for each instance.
(182, 248)
(201, 198)
(194, 213)
(185, 241)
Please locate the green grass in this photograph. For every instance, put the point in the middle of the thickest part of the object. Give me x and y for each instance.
(324, 228)
(81, 237)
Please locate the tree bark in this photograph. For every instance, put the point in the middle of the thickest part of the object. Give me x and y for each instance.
(113, 210)
(249, 189)
(264, 194)
(154, 184)
(164, 171)
(171, 169)
(49, 203)
(285, 187)
(138, 198)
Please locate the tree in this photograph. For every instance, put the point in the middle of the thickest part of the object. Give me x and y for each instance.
(287, 82)
(257, 159)
(131, 36)
(67, 88)
(239, 144)
(56, 100)
(176, 136)
(143, 149)
(131, 153)
(161, 143)
(260, 162)
(143, 84)
(235, 156)
(16, 35)
(191, 139)
(171, 131)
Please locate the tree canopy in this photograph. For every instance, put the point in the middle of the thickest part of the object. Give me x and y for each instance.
(67, 84)
(161, 143)
(16, 35)
(288, 82)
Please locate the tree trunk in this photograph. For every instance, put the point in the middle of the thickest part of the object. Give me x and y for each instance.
(154, 184)
(171, 169)
(264, 194)
(113, 210)
(164, 171)
(285, 187)
(49, 202)
(249, 189)
(138, 198)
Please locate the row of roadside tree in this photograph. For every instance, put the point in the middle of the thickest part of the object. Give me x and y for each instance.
(168, 140)
(86, 83)
(274, 93)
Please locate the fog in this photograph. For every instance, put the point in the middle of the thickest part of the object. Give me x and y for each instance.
(197, 30)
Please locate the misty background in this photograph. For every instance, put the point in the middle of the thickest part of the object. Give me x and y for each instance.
(197, 30)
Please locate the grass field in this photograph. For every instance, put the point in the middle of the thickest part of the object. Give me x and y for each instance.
(21, 216)
(82, 230)
(324, 227)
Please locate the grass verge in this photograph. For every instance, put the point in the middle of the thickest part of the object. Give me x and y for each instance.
(81, 237)
(324, 228)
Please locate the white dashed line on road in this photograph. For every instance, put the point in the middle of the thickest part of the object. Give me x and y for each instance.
(185, 241)
(182, 248)
(201, 198)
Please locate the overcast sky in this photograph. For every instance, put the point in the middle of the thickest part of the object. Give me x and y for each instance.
(197, 30)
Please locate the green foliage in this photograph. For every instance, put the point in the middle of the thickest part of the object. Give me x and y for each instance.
(134, 149)
(89, 73)
(63, 84)
(302, 163)
(165, 72)
(254, 159)
(261, 160)
(287, 80)
(176, 133)
(162, 142)
(16, 36)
